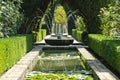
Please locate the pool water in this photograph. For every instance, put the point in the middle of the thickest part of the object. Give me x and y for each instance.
(59, 64)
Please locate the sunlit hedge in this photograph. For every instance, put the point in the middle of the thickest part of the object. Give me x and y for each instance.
(77, 34)
(39, 35)
(106, 47)
(12, 49)
(97, 41)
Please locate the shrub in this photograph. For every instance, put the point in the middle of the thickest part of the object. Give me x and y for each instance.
(10, 17)
(112, 54)
(74, 32)
(79, 35)
(80, 24)
(2, 58)
(43, 33)
(106, 47)
(12, 49)
(81, 28)
(39, 35)
(110, 18)
(96, 42)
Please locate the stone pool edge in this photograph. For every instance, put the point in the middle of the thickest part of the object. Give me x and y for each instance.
(27, 63)
(99, 70)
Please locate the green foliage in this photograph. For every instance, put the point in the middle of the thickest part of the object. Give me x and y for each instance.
(2, 58)
(83, 74)
(74, 33)
(39, 35)
(89, 9)
(96, 42)
(43, 33)
(80, 24)
(12, 49)
(79, 35)
(110, 19)
(106, 47)
(60, 16)
(88, 78)
(81, 28)
(10, 17)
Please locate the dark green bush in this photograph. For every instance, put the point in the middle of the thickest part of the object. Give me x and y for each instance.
(112, 55)
(12, 49)
(106, 47)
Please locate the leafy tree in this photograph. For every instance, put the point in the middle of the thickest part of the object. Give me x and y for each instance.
(80, 23)
(110, 19)
(10, 17)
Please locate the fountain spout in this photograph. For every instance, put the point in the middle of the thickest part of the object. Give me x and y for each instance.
(59, 36)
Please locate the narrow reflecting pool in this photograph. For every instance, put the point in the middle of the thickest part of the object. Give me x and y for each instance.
(59, 64)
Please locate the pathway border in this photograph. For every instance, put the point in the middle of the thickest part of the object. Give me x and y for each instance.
(102, 72)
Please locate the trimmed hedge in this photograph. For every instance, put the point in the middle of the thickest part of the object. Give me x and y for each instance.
(74, 32)
(43, 33)
(39, 35)
(77, 34)
(12, 49)
(106, 47)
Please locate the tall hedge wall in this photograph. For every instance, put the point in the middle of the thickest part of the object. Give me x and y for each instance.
(106, 47)
(12, 49)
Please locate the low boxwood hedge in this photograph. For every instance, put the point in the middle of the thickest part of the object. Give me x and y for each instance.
(106, 47)
(96, 42)
(74, 33)
(79, 35)
(39, 35)
(12, 49)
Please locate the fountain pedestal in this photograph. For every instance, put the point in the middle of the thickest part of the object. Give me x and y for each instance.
(59, 40)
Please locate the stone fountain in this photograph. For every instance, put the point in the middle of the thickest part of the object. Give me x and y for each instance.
(59, 32)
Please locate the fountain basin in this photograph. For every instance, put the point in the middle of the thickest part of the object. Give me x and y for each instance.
(56, 41)
(58, 60)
